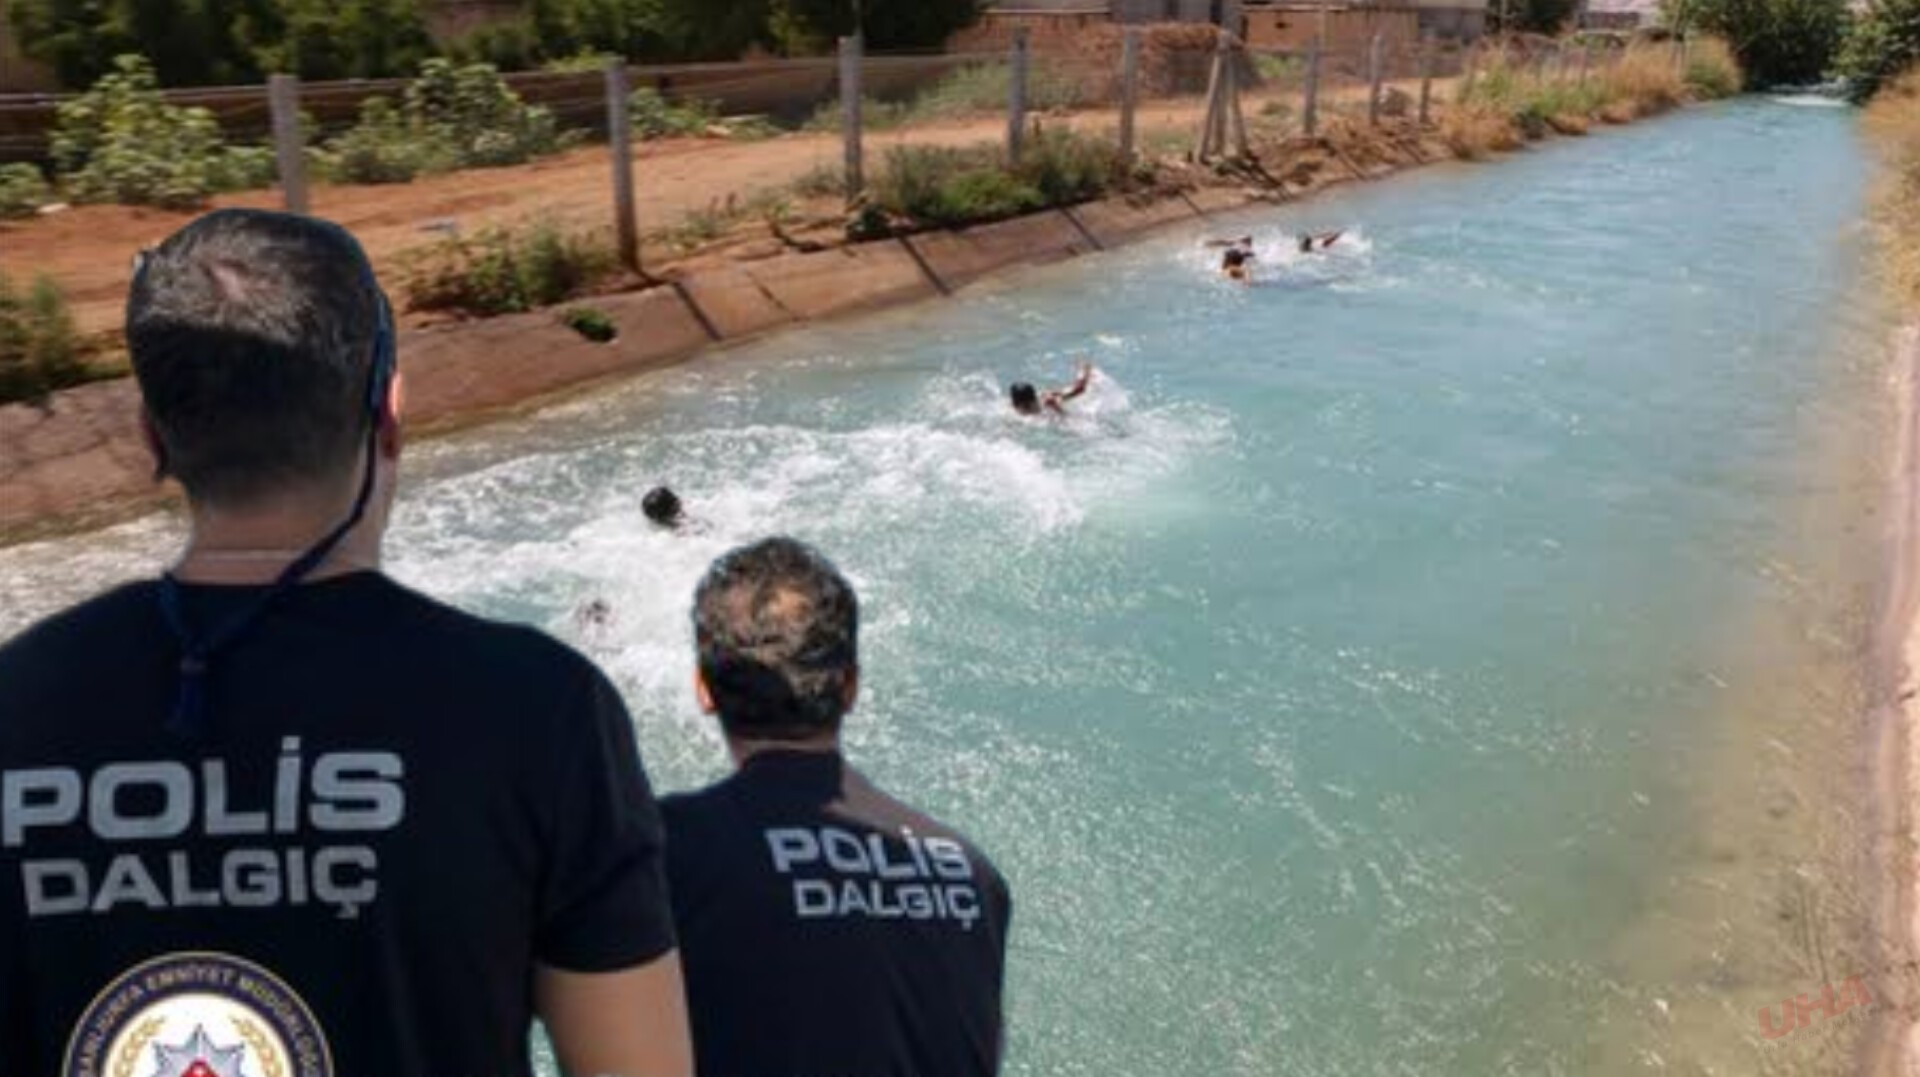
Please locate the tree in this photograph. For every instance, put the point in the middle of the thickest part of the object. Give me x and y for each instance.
(888, 24)
(340, 39)
(1778, 42)
(73, 37)
(1883, 42)
(723, 29)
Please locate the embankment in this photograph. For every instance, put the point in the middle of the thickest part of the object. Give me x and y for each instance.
(1893, 123)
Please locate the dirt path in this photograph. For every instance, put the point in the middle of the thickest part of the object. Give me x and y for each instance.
(89, 250)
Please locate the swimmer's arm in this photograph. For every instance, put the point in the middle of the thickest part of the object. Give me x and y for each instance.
(630, 1023)
(1080, 383)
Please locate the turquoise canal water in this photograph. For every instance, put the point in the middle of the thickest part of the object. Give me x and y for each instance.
(1440, 658)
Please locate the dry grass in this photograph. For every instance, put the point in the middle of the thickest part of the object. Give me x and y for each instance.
(1476, 131)
(1512, 103)
(1893, 121)
(1645, 78)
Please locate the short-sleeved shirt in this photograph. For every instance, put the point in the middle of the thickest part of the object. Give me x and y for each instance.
(827, 930)
(396, 810)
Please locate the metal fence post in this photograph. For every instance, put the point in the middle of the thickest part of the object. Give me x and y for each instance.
(1586, 63)
(1375, 70)
(1017, 97)
(1129, 89)
(851, 49)
(1465, 93)
(1426, 78)
(620, 142)
(1310, 109)
(289, 150)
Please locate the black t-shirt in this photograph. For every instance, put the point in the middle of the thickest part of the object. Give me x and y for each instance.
(828, 930)
(397, 810)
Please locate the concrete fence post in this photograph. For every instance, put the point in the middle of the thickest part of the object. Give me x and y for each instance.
(1017, 97)
(1426, 78)
(1375, 72)
(851, 50)
(1235, 119)
(1213, 124)
(289, 148)
(1586, 63)
(626, 221)
(1465, 92)
(1129, 89)
(1310, 109)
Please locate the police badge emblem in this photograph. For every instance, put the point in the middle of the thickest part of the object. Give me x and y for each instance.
(198, 1015)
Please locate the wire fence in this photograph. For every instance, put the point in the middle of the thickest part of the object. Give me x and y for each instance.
(700, 197)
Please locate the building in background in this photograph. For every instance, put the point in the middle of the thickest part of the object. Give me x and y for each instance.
(1626, 15)
(1349, 26)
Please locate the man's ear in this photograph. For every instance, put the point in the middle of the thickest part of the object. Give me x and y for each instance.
(702, 694)
(392, 409)
(156, 448)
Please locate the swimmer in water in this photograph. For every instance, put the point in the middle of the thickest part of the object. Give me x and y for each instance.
(1312, 242)
(1236, 263)
(662, 506)
(1029, 401)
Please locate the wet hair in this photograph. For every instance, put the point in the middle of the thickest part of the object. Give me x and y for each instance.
(1025, 398)
(1306, 244)
(252, 336)
(662, 506)
(776, 628)
(1234, 258)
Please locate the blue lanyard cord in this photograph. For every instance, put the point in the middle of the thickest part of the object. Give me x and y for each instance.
(190, 719)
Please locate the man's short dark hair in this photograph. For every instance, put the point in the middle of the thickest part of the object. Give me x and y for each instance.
(777, 630)
(252, 336)
(1024, 397)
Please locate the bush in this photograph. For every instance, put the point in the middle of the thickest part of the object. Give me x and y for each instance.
(1066, 167)
(22, 191)
(484, 120)
(1883, 41)
(591, 323)
(121, 142)
(501, 272)
(384, 148)
(653, 116)
(39, 351)
(947, 187)
(450, 118)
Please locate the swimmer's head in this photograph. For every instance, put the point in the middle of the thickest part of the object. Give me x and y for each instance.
(1306, 244)
(1026, 400)
(662, 506)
